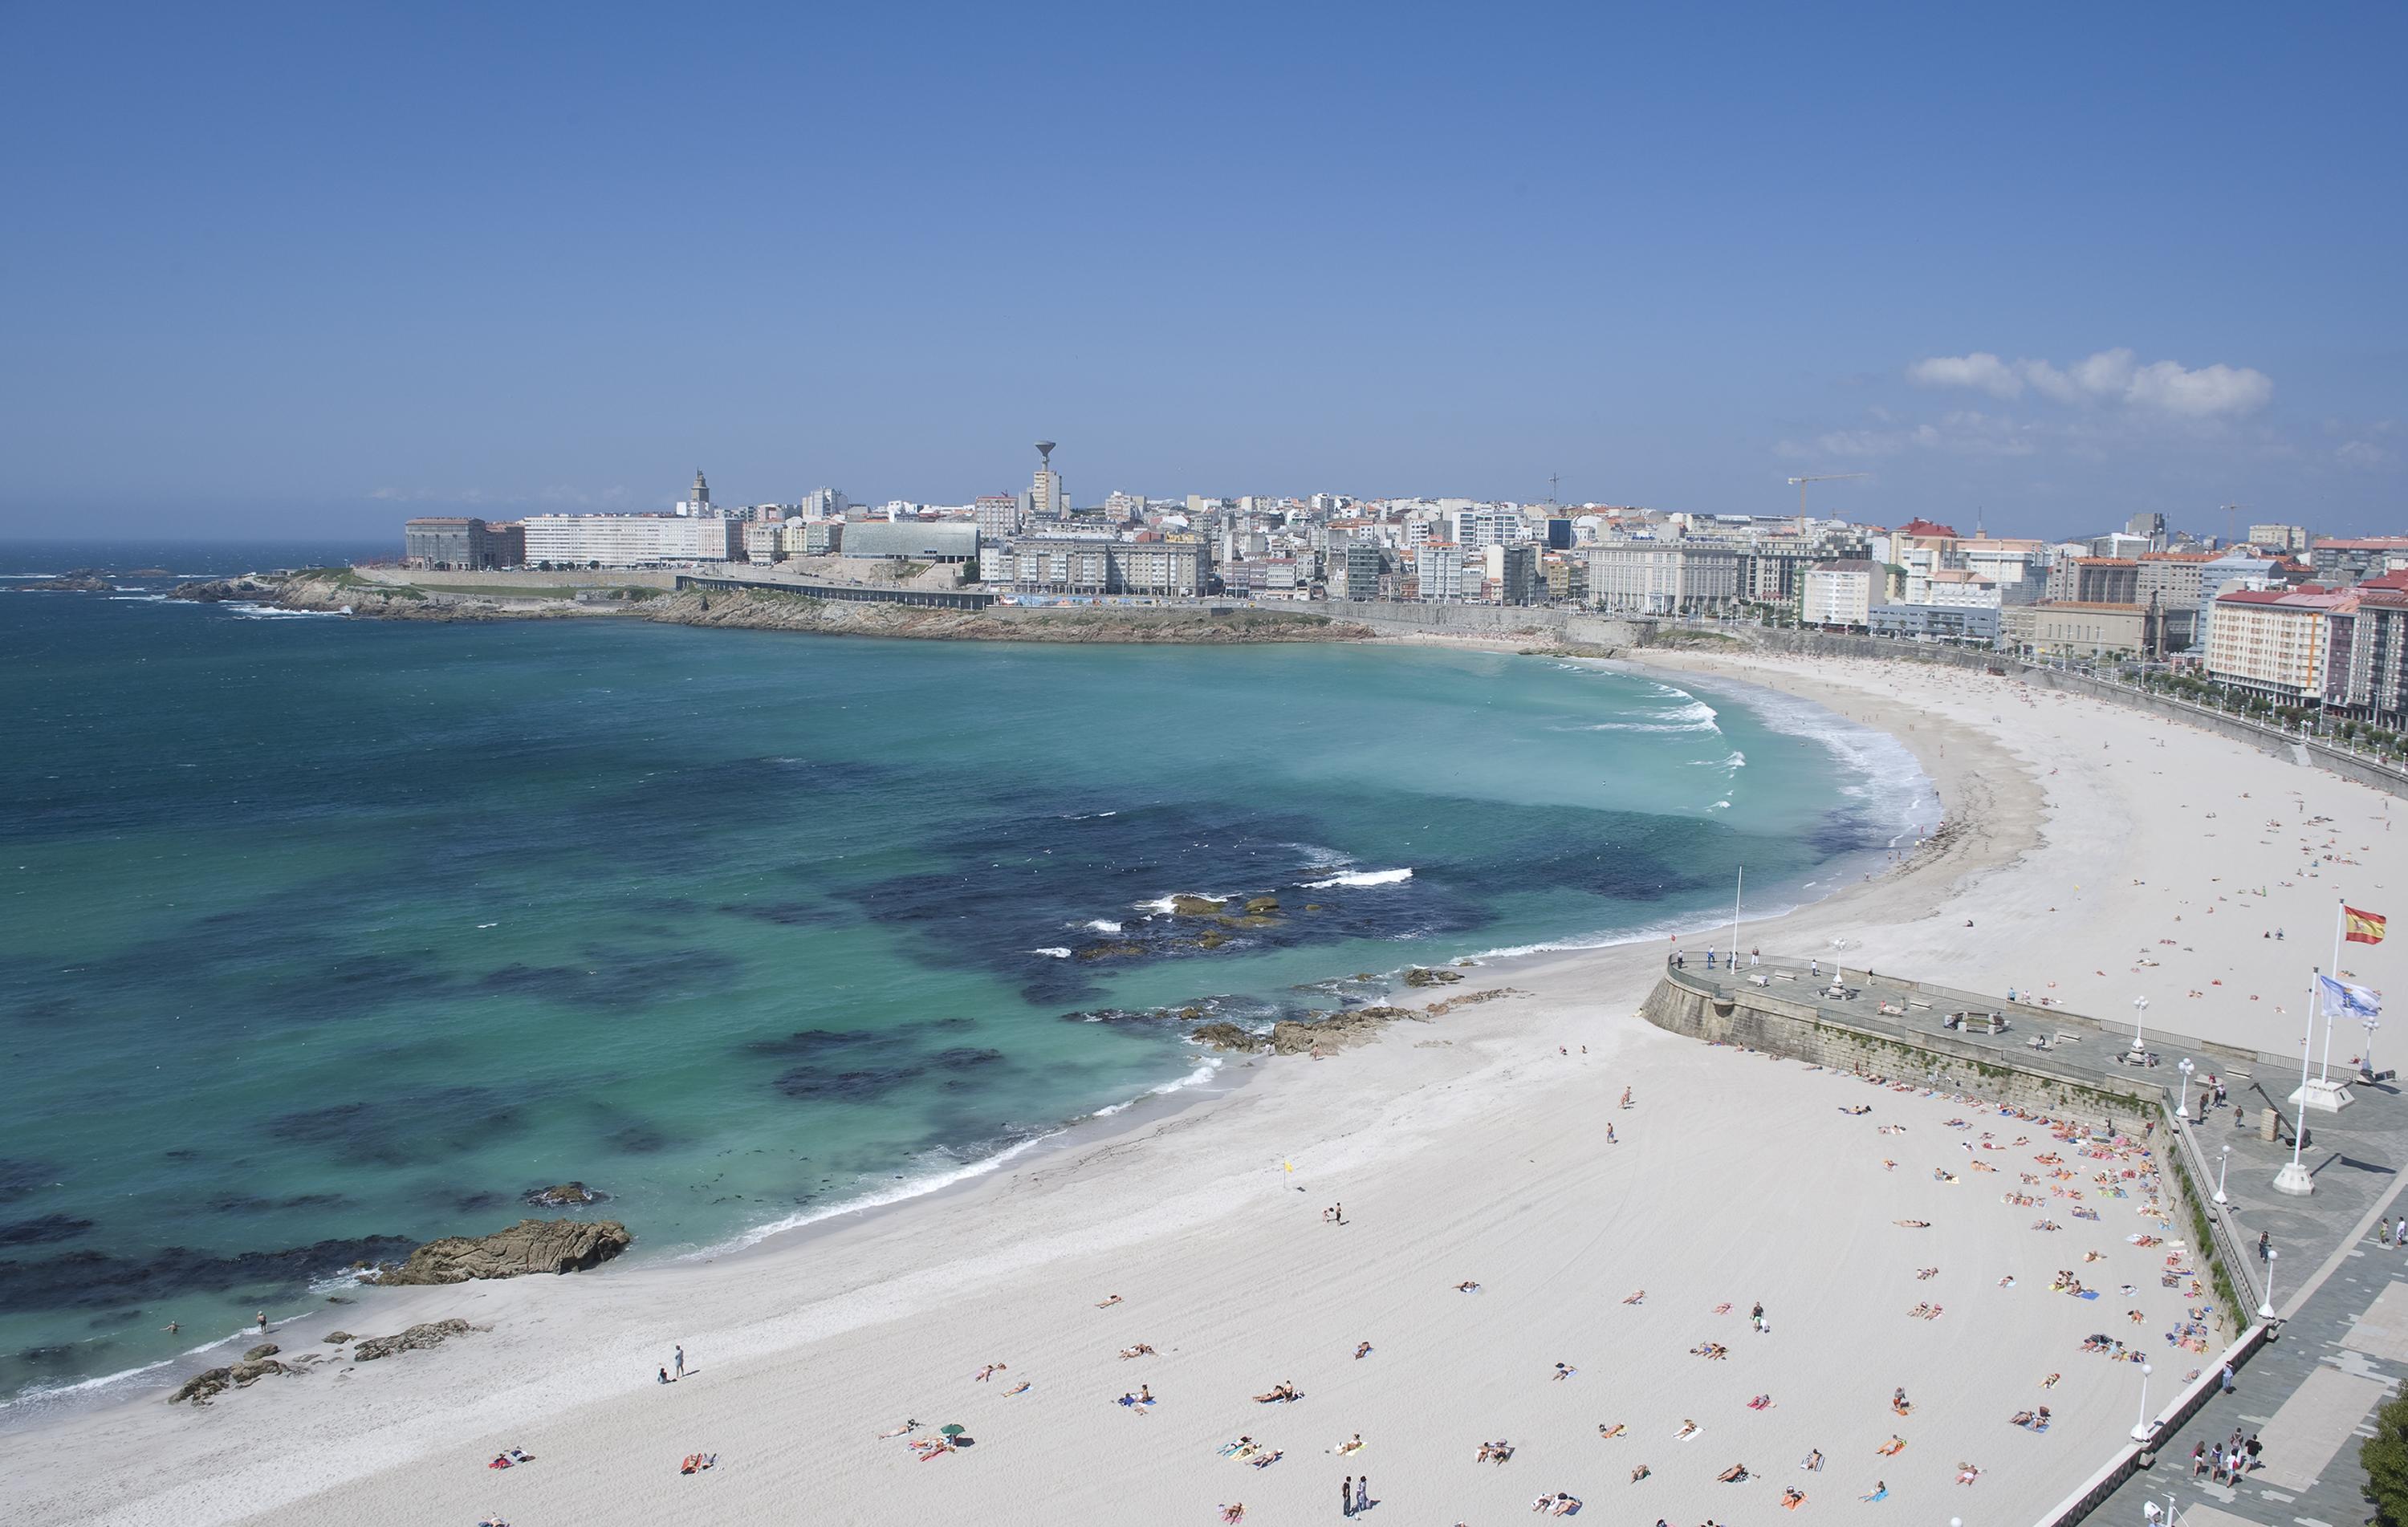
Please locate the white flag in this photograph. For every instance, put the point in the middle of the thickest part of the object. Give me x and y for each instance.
(2342, 1000)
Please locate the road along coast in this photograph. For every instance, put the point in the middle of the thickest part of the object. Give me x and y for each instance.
(1490, 1232)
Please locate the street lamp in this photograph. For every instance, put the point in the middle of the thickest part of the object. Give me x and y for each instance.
(2367, 1064)
(2221, 1167)
(2182, 1108)
(2265, 1306)
(2140, 1006)
(2142, 1431)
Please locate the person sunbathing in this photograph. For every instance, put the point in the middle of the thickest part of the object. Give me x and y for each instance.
(1352, 1445)
(1733, 1474)
(1564, 1371)
(1762, 1402)
(1234, 1511)
(1609, 1433)
(2049, 1382)
(1688, 1429)
(1792, 1498)
(1812, 1461)
(1467, 1286)
(1898, 1402)
(1232, 1449)
(1967, 1474)
(1280, 1393)
(1140, 1349)
(1565, 1504)
(501, 1461)
(1109, 1303)
(1362, 1350)
(1895, 1445)
(1642, 1472)
(1636, 1298)
(904, 1430)
(1266, 1459)
(1913, 1224)
(1879, 1492)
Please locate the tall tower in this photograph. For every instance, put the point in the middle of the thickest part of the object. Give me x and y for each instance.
(701, 491)
(1046, 500)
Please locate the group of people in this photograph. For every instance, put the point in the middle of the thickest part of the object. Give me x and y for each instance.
(2226, 1461)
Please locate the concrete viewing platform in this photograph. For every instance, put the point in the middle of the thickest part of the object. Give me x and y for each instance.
(2329, 1307)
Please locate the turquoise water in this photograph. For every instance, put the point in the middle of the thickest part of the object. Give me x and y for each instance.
(329, 936)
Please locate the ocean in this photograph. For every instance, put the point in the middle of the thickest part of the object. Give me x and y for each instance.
(326, 937)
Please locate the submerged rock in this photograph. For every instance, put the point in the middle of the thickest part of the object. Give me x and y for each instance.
(531, 1245)
(562, 1196)
(1262, 905)
(1426, 975)
(417, 1338)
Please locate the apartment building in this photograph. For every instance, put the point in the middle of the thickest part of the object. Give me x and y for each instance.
(1652, 578)
(1842, 593)
(629, 540)
(2272, 642)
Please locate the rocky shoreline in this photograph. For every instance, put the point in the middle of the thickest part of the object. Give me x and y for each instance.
(344, 592)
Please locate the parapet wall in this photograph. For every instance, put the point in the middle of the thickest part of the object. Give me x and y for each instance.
(1777, 1026)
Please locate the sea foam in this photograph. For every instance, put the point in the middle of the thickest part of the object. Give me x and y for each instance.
(1360, 878)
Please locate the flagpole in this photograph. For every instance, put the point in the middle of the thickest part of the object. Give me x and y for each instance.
(2294, 1179)
(1735, 895)
(2341, 910)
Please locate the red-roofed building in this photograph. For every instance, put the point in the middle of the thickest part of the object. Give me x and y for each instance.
(2276, 642)
(2346, 562)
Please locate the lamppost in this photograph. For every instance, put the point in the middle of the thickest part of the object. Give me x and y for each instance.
(2367, 1064)
(2265, 1306)
(2182, 1108)
(2142, 1431)
(2221, 1167)
(2140, 1006)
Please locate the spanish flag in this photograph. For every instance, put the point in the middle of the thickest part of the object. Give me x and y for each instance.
(2361, 927)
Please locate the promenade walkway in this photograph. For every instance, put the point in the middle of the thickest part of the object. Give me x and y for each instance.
(2340, 1301)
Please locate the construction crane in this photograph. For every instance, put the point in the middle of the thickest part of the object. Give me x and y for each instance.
(1553, 478)
(1799, 483)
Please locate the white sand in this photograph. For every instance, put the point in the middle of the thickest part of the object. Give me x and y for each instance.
(1466, 1148)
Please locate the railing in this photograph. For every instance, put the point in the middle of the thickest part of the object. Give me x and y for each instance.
(2093, 1492)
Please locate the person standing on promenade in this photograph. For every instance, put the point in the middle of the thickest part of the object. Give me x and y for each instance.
(2265, 1243)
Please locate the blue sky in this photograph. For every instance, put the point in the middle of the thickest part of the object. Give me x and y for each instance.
(313, 268)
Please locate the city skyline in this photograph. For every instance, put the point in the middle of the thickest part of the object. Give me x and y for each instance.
(514, 264)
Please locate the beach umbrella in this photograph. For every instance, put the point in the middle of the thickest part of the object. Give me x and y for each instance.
(952, 1431)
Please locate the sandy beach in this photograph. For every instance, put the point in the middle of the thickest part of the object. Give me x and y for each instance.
(2102, 854)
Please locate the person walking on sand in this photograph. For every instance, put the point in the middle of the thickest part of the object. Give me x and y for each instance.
(681, 1362)
(1609, 1136)
(1755, 1316)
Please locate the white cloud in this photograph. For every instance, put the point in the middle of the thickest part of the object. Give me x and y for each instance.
(2363, 454)
(1980, 369)
(2111, 376)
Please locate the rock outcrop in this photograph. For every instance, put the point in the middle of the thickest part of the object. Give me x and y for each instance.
(416, 1339)
(531, 1245)
(1431, 975)
(563, 1195)
(1338, 1031)
(265, 1349)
